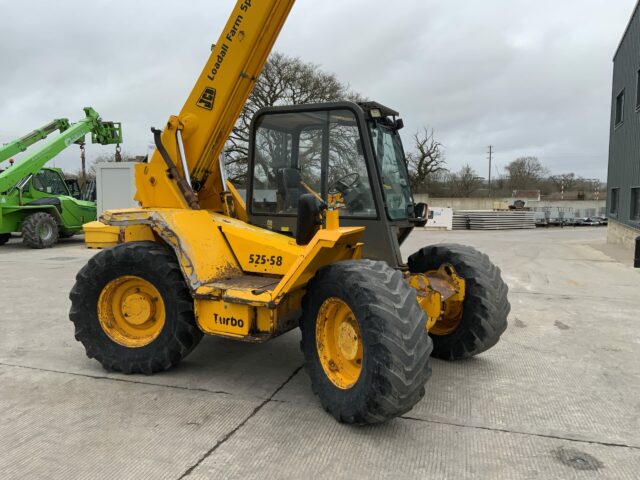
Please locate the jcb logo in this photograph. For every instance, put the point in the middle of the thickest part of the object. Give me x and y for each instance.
(207, 98)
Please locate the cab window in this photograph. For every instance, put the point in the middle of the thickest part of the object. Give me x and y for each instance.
(294, 153)
(48, 181)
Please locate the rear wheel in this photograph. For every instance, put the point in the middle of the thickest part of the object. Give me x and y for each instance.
(132, 309)
(481, 320)
(365, 342)
(40, 230)
(4, 238)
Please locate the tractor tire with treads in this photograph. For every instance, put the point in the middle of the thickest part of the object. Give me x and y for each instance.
(394, 348)
(40, 230)
(4, 238)
(130, 271)
(485, 307)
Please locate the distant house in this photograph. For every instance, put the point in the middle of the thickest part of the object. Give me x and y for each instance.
(623, 199)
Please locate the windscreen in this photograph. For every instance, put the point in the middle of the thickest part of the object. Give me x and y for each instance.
(387, 146)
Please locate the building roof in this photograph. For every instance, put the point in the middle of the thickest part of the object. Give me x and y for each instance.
(633, 14)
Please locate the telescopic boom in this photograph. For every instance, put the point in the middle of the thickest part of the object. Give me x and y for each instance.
(207, 118)
(17, 146)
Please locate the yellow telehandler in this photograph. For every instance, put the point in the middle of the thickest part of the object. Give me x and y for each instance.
(316, 244)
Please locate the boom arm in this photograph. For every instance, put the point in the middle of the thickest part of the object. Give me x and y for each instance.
(209, 114)
(20, 145)
(101, 132)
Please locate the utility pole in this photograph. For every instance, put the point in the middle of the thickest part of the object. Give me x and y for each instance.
(490, 159)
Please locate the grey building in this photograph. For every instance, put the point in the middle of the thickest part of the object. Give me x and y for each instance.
(623, 199)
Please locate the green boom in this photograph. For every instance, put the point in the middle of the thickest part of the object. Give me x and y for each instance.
(104, 133)
(17, 146)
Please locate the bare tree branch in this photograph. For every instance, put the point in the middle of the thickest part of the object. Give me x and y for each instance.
(284, 81)
(465, 182)
(426, 160)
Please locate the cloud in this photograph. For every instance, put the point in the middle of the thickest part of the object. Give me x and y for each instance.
(529, 77)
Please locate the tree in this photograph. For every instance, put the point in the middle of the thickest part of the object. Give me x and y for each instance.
(465, 182)
(285, 80)
(564, 181)
(426, 160)
(525, 173)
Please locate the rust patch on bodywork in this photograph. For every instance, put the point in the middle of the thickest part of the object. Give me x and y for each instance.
(193, 249)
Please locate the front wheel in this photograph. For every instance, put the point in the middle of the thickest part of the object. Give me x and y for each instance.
(4, 238)
(40, 230)
(132, 309)
(485, 308)
(365, 342)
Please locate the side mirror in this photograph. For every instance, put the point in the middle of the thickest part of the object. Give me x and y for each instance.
(399, 124)
(421, 211)
(309, 219)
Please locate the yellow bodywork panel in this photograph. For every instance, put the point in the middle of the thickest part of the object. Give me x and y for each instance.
(213, 249)
(152, 184)
(99, 235)
(222, 318)
(248, 322)
(326, 247)
(202, 251)
(259, 250)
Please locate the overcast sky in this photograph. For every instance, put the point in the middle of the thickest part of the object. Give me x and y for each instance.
(531, 77)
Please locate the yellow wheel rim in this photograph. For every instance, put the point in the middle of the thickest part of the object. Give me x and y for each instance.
(131, 311)
(339, 343)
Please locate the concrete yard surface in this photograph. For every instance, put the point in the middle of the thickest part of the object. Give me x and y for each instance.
(558, 397)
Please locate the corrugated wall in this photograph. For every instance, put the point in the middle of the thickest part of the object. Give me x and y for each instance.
(624, 147)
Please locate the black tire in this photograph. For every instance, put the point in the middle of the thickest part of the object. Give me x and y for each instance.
(40, 230)
(4, 238)
(486, 304)
(157, 265)
(396, 347)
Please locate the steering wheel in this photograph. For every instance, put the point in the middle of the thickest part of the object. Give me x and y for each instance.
(341, 182)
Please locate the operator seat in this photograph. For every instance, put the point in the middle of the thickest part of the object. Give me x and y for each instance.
(288, 185)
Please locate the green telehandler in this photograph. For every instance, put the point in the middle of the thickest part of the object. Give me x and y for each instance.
(36, 200)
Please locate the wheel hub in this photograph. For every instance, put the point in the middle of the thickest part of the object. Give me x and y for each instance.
(45, 232)
(348, 340)
(137, 308)
(131, 311)
(339, 343)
